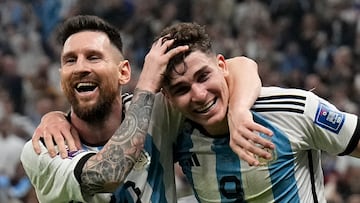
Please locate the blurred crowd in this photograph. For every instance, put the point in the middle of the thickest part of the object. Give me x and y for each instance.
(308, 44)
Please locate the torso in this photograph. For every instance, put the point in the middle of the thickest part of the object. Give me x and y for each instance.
(295, 175)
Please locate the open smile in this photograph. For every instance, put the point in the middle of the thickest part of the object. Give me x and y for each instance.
(84, 87)
(207, 107)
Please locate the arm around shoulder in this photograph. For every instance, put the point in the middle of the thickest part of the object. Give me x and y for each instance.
(244, 88)
(52, 178)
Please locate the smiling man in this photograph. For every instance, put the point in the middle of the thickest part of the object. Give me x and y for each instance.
(303, 125)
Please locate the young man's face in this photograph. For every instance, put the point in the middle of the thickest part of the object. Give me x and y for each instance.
(91, 72)
(201, 93)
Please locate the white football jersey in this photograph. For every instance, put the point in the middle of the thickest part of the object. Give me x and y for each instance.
(303, 126)
(151, 180)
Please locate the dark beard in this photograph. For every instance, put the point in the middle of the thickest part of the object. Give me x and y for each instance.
(95, 115)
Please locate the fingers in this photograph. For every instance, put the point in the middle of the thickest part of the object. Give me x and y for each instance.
(250, 146)
(59, 142)
(244, 154)
(35, 141)
(261, 129)
(254, 143)
(49, 143)
(70, 141)
(258, 139)
(56, 133)
(164, 43)
(61, 146)
(155, 64)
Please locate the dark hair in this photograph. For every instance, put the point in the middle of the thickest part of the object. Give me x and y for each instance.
(191, 34)
(89, 23)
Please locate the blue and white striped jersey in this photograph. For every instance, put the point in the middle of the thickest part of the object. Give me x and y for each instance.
(154, 182)
(151, 180)
(303, 126)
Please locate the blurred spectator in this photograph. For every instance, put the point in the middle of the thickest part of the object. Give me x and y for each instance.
(11, 144)
(12, 81)
(48, 13)
(17, 124)
(349, 176)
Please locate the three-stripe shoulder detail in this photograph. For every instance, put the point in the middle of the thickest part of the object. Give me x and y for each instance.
(280, 103)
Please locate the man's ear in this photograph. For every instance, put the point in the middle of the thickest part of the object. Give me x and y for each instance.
(125, 72)
(222, 64)
(167, 96)
(165, 93)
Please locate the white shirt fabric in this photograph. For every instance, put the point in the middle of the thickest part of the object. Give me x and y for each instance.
(152, 181)
(303, 126)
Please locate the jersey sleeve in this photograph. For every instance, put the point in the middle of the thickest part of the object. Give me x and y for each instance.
(53, 178)
(331, 130)
(165, 120)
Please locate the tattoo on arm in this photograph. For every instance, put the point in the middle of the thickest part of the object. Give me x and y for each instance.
(106, 170)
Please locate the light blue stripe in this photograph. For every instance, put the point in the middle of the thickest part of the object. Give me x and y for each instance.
(155, 172)
(282, 171)
(183, 152)
(154, 179)
(230, 183)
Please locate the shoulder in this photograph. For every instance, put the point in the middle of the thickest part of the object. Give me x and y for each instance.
(284, 92)
(279, 99)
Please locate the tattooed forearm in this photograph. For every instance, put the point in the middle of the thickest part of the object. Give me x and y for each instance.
(107, 169)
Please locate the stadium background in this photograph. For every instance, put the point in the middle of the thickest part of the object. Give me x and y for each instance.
(309, 44)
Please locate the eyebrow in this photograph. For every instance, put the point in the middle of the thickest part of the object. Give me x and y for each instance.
(87, 52)
(197, 73)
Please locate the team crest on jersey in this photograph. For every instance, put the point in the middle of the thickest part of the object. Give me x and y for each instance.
(143, 161)
(329, 118)
(264, 161)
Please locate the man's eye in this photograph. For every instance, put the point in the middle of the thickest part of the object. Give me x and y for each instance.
(93, 57)
(70, 60)
(203, 77)
(180, 91)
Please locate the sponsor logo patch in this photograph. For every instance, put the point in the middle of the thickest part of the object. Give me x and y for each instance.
(328, 118)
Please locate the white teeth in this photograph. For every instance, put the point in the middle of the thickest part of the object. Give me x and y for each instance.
(206, 107)
(85, 84)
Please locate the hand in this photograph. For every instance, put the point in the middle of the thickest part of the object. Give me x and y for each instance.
(55, 129)
(243, 139)
(155, 64)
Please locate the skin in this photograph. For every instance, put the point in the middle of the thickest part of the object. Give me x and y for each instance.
(97, 62)
(201, 93)
(55, 128)
(90, 60)
(203, 84)
(198, 98)
(55, 124)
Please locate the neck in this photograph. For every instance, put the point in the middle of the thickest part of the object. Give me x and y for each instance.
(97, 134)
(218, 130)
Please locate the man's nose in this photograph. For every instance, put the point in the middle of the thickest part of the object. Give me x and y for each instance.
(81, 66)
(198, 93)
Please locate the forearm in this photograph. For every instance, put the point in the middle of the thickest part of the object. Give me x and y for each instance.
(244, 82)
(106, 170)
